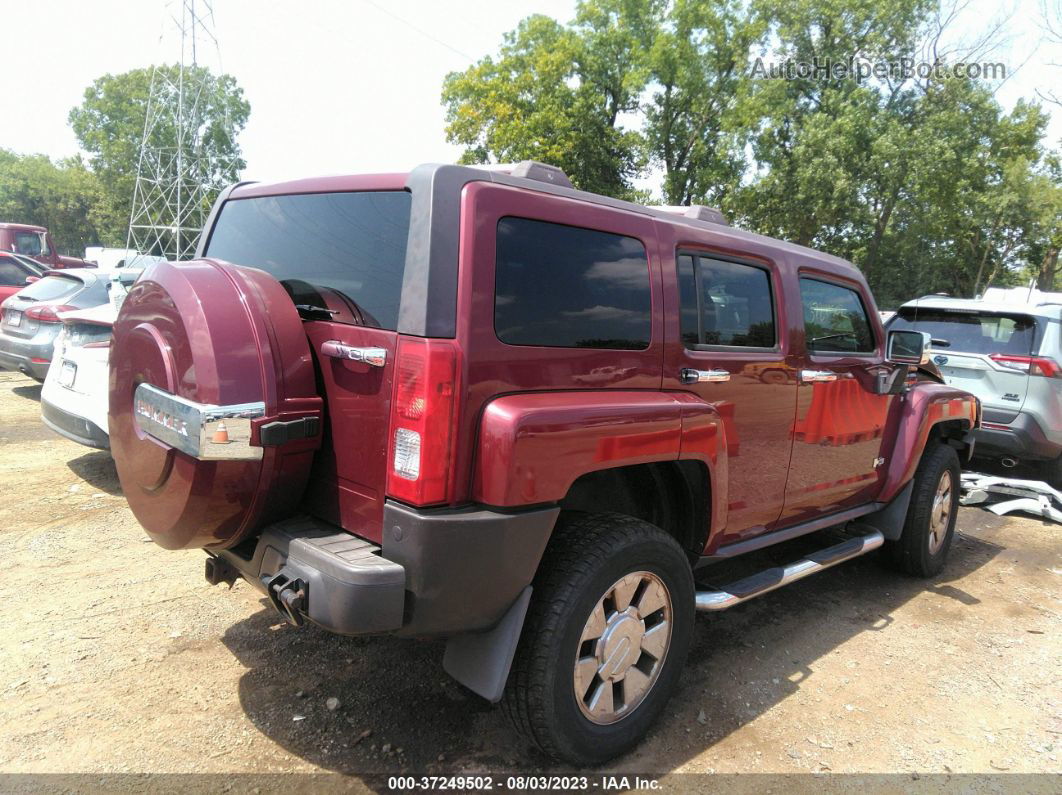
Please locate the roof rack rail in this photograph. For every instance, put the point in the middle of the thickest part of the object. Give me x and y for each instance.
(698, 212)
(531, 169)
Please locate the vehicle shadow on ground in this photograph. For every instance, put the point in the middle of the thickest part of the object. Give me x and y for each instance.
(30, 391)
(394, 695)
(97, 469)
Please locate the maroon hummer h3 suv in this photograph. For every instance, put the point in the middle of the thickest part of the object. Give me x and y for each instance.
(482, 405)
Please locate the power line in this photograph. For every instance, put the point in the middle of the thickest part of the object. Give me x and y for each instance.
(422, 32)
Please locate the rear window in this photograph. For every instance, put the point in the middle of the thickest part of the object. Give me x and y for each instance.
(568, 287)
(970, 332)
(349, 247)
(51, 288)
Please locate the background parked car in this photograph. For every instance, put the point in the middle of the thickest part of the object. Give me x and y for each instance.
(1005, 348)
(16, 272)
(74, 398)
(30, 318)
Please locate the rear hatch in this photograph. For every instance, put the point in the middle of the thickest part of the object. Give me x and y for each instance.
(341, 258)
(53, 290)
(985, 353)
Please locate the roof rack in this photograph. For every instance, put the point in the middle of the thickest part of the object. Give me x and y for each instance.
(531, 169)
(698, 212)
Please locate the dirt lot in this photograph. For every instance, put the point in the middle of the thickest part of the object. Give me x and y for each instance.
(116, 656)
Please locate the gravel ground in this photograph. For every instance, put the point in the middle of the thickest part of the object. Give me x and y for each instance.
(117, 657)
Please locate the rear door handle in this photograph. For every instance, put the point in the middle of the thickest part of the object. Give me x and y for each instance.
(690, 376)
(374, 357)
(817, 376)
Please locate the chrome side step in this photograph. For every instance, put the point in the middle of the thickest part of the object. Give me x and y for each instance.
(768, 580)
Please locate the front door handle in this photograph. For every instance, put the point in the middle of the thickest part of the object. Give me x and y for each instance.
(817, 376)
(691, 376)
(374, 357)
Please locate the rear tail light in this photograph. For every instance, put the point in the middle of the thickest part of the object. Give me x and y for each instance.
(422, 416)
(47, 313)
(1033, 365)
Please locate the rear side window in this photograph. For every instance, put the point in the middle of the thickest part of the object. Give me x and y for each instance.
(11, 275)
(51, 288)
(835, 320)
(568, 287)
(970, 332)
(347, 247)
(725, 303)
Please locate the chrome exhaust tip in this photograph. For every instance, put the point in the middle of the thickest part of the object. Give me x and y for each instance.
(1008, 462)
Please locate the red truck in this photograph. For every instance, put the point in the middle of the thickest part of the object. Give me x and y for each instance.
(485, 406)
(36, 242)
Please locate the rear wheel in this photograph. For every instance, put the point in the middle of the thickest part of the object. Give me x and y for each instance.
(605, 639)
(923, 547)
(1051, 472)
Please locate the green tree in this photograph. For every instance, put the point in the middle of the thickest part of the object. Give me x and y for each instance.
(62, 196)
(548, 96)
(109, 125)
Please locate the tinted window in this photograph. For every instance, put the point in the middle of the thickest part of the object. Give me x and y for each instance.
(347, 247)
(971, 332)
(834, 319)
(52, 287)
(11, 275)
(725, 303)
(568, 287)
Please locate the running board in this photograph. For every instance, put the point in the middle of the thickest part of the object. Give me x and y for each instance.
(768, 580)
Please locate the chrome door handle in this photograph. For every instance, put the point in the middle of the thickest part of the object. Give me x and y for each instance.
(691, 376)
(817, 376)
(374, 357)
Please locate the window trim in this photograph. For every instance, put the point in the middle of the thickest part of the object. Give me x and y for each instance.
(494, 304)
(697, 254)
(816, 276)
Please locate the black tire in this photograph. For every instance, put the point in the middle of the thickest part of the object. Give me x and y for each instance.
(919, 551)
(588, 554)
(1051, 472)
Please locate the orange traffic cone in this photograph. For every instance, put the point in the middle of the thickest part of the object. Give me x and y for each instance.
(221, 435)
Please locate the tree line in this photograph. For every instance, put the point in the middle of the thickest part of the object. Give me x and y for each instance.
(87, 201)
(916, 175)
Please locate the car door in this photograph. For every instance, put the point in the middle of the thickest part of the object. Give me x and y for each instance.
(727, 345)
(837, 436)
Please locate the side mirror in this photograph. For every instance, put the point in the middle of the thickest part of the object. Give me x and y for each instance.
(908, 347)
(32, 279)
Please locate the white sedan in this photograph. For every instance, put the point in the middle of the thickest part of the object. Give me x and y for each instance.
(74, 397)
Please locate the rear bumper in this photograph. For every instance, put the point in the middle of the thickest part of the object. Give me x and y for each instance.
(73, 427)
(20, 358)
(1021, 437)
(439, 573)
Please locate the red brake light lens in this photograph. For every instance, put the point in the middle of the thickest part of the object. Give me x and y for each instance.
(422, 415)
(47, 313)
(1033, 365)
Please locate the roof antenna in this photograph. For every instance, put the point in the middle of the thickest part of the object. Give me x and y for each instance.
(1032, 284)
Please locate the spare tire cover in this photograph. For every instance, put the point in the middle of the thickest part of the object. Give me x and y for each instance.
(216, 334)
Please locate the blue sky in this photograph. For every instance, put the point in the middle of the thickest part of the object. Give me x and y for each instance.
(336, 85)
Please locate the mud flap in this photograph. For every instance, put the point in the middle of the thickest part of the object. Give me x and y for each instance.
(891, 519)
(481, 660)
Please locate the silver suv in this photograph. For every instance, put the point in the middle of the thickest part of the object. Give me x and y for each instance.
(1006, 348)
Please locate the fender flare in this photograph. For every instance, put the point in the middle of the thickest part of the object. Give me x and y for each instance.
(533, 446)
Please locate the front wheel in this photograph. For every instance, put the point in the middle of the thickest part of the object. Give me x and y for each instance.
(605, 640)
(922, 548)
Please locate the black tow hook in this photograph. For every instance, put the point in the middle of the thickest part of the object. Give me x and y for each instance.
(288, 596)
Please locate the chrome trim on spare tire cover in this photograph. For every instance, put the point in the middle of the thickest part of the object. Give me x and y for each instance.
(206, 432)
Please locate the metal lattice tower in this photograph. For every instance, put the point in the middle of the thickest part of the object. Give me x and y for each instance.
(176, 183)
